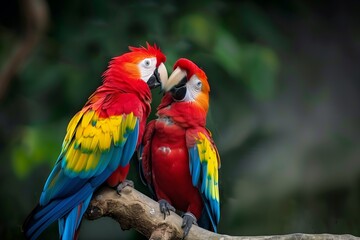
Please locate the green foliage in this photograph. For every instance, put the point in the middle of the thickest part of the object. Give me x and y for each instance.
(253, 65)
(36, 146)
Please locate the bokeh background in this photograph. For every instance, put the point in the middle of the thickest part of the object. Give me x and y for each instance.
(285, 101)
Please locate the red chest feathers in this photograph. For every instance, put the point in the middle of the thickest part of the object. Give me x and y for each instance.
(169, 142)
(169, 132)
(170, 167)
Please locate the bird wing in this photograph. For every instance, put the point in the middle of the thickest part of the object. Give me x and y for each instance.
(92, 149)
(204, 162)
(145, 156)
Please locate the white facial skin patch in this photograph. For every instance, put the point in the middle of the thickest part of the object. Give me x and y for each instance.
(147, 68)
(193, 87)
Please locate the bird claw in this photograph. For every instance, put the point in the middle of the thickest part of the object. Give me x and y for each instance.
(124, 184)
(165, 207)
(188, 220)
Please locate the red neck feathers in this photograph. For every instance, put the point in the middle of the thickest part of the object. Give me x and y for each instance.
(123, 74)
(122, 77)
(184, 114)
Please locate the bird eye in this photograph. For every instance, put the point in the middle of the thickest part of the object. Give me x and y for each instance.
(147, 63)
(199, 84)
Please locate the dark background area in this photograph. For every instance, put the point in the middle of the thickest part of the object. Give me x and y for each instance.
(284, 111)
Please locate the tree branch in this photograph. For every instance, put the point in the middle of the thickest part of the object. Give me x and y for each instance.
(132, 209)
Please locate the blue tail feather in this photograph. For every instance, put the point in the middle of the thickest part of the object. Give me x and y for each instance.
(69, 224)
(207, 215)
(42, 217)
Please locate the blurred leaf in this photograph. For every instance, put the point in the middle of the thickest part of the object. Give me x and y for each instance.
(38, 84)
(199, 28)
(254, 20)
(37, 145)
(260, 70)
(254, 65)
(227, 52)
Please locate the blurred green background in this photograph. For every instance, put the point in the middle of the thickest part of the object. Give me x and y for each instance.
(284, 111)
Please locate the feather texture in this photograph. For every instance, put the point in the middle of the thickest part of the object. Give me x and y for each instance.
(204, 161)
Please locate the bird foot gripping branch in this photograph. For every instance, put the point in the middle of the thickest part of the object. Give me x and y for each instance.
(124, 184)
(165, 207)
(188, 220)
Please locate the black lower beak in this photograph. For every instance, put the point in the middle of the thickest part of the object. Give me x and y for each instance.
(179, 91)
(154, 80)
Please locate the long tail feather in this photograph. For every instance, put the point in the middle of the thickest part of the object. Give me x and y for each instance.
(207, 220)
(42, 216)
(70, 224)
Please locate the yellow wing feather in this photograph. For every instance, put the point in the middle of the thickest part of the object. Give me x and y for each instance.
(208, 154)
(88, 136)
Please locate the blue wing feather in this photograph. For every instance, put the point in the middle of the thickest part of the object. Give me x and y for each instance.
(63, 186)
(118, 152)
(204, 176)
(194, 165)
(105, 159)
(130, 146)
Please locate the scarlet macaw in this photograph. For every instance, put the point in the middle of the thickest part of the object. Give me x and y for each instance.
(100, 141)
(179, 160)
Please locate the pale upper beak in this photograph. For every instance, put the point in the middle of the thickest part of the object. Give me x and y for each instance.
(163, 74)
(176, 76)
(159, 77)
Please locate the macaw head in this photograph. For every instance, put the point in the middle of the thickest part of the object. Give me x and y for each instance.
(188, 83)
(146, 64)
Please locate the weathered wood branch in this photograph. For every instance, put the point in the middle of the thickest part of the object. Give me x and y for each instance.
(132, 209)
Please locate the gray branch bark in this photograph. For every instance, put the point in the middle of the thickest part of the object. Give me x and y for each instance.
(132, 209)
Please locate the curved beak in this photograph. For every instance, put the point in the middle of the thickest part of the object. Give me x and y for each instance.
(176, 84)
(159, 77)
(175, 78)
